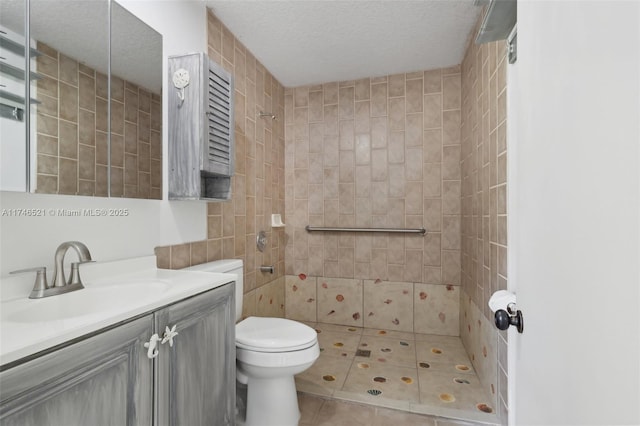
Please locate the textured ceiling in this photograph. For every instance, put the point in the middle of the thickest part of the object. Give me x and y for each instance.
(312, 41)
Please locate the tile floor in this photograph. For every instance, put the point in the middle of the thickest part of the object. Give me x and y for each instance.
(413, 373)
(320, 411)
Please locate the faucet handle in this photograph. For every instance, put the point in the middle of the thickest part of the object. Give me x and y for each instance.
(75, 272)
(34, 269)
(40, 284)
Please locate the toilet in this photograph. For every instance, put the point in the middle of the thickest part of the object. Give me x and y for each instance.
(269, 352)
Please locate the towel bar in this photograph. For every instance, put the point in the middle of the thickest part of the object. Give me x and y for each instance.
(392, 230)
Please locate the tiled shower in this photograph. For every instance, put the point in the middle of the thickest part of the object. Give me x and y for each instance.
(422, 149)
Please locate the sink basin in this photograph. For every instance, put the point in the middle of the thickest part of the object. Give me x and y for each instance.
(115, 292)
(88, 301)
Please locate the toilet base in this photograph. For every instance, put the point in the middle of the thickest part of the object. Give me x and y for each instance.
(272, 402)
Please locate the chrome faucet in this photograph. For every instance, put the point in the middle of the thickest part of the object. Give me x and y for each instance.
(59, 285)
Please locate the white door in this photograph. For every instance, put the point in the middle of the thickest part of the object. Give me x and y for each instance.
(574, 215)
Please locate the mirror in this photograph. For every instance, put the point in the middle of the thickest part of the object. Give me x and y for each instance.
(74, 148)
(70, 140)
(13, 150)
(136, 107)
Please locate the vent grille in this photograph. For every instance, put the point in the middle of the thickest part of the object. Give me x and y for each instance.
(220, 121)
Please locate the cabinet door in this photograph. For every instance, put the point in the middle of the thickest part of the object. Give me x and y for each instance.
(196, 376)
(102, 380)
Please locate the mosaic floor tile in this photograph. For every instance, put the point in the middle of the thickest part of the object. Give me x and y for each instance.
(397, 352)
(419, 337)
(421, 373)
(322, 327)
(338, 344)
(446, 367)
(393, 382)
(325, 376)
(462, 392)
(388, 334)
(437, 350)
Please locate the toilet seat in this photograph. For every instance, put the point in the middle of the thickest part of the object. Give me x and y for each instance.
(274, 335)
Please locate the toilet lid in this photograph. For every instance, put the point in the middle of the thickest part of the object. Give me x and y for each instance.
(274, 335)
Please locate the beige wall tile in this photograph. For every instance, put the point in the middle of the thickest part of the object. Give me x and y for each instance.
(346, 107)
(432, 249)
(436, 309)
(362, 89)
(432, 180)
(87, 162)
(48, 165)
(432, 111)
(347, 134)
(68, 139)
(340, 301)
(432, 145)
(47, 64)
(376, 157)
(330, 91)
(68, 102)
(117, 89)
(483, 207)
(396, 147)
(433, 81)
(379, 132)
(396, 113)
(378, 100)
(68, 70)
(300, 297)
(270, 299)
(388, 305)
(414, 129)
(414, 91)
(180, 256)
(451, 91)
(451, 127)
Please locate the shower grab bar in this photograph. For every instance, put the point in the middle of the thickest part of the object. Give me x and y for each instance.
(392, 230)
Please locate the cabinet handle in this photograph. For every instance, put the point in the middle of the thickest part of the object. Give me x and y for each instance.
(169, 334)
(151, 345)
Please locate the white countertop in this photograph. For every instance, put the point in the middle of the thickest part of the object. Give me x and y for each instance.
(114, 292)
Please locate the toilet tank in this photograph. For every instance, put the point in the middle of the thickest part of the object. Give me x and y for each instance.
(227, 266)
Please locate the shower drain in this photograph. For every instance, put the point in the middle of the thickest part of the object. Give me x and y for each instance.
(363, 353)
(374, 392)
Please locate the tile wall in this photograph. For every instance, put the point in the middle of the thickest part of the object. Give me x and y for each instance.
(72, 132)
(376, 152)
(484, 211)
(258, 184)
(387, 305)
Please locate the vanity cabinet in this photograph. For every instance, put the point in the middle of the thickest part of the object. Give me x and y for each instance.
(197, 375)
(108, 378)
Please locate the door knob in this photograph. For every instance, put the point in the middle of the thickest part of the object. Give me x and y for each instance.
(503, 304)
(504, 320)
